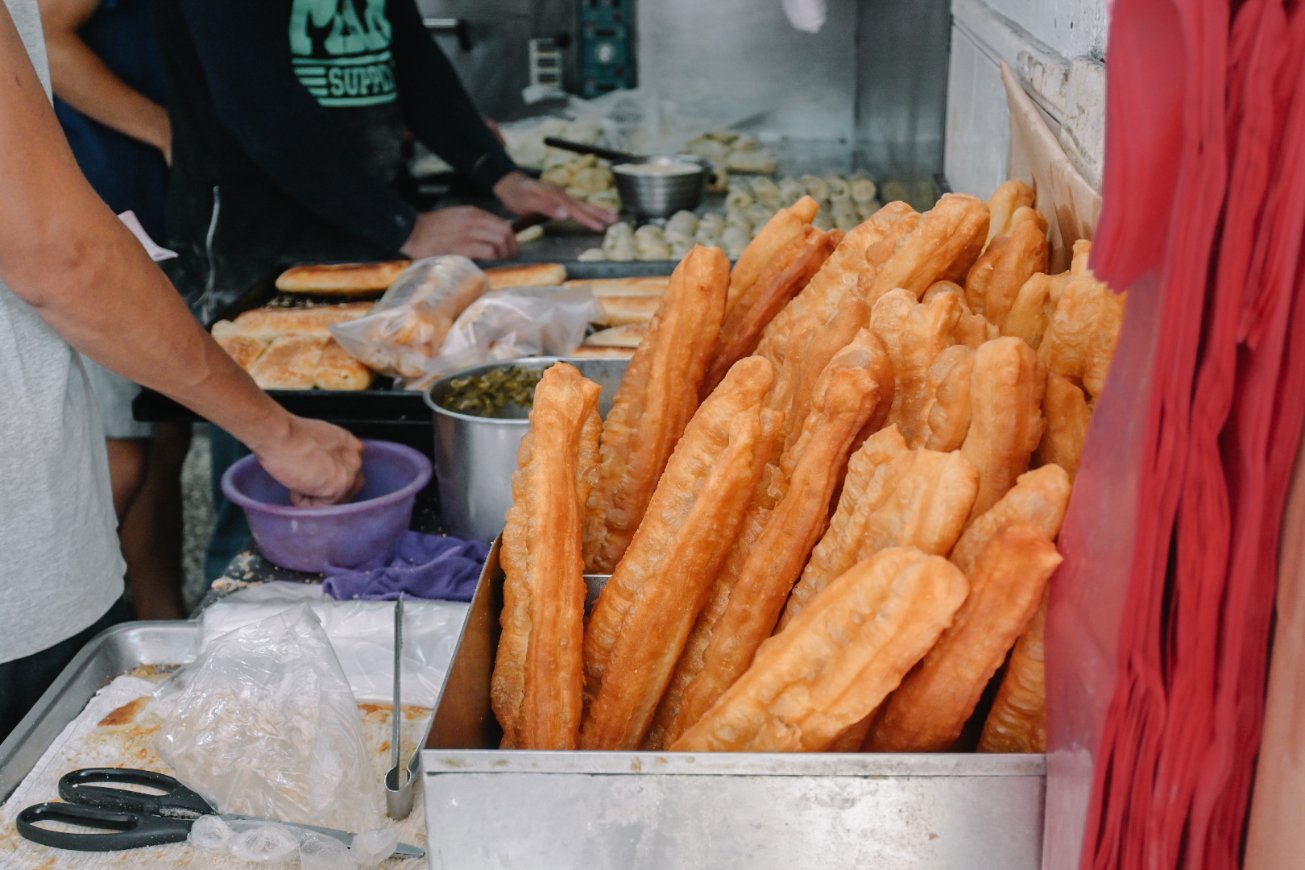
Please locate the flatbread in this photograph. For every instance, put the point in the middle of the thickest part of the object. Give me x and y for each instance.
(628, 335)
(526, 275)
(646, 285)
(618, 310)
(341, 279)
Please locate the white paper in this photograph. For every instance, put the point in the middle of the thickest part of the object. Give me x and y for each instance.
(157, 252)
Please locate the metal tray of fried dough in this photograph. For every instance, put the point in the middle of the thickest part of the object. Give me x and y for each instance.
(110, 654)
(491, 808)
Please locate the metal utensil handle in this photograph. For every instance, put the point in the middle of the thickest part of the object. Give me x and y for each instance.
(82, 787)
(125, 830)
(596, 150)
(396, 713)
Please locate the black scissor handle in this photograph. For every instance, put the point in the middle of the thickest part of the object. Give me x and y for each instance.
(125, 830)
(84, 787)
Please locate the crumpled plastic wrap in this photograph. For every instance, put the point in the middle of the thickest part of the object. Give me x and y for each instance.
(263, 723)
(360, 632)
(513, 323)
(406, 329)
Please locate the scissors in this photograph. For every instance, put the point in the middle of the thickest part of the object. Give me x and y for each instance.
(134, 819)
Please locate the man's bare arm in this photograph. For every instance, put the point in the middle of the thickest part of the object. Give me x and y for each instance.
(85, 82)
(64, 252)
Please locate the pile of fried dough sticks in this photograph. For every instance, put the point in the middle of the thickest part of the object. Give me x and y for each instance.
(827, 495)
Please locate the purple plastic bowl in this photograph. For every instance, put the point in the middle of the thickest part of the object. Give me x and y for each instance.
(361, 534)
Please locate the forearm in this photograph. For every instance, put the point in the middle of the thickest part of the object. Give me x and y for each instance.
(63, 252)
(100, 292)
(82, 80)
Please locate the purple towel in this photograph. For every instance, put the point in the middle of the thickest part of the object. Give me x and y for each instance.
(424, 566)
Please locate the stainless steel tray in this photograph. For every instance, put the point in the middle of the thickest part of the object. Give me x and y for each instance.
(490, 808)
(111, 653)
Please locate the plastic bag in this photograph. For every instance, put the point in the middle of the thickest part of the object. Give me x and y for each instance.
(512, 323)
(360, 632)
(406, 328)
(263, 723)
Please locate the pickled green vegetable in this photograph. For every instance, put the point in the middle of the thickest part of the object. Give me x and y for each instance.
(488, 394)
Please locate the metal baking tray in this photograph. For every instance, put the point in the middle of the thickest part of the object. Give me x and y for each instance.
(110, 654)
(382, 405)
(492, 808)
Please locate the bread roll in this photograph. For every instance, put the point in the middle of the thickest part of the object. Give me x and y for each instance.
(526, 275)
(341, 279)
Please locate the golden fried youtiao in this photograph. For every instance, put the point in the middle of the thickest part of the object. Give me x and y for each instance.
(1066, 411)
(759, 573)
(654, 403)
(643, 616)
(1005, 416)
(837, 660)
(915, 333)
(1017, 721)
(1039, 499)
(942, 247)
(1009, 197)
(537, 686)
(928, 711)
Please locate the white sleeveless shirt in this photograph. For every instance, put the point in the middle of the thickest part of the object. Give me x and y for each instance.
(60, 565)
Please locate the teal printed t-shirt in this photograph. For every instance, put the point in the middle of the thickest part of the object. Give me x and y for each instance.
(341, 51)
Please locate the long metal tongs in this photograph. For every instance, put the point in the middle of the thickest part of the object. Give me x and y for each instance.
(399, 778)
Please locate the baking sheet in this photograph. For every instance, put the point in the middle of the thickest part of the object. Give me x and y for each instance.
(92, 740)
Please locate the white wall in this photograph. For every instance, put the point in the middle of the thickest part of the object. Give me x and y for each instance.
(1057, 47)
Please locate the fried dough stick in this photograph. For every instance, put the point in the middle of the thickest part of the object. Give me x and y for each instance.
(784, 227)
(1005, 416)
(1017, 721)
(972, 329)
(929, 709)
(1081, 336)
(836, 661)
(537, 687)
(915, 333)
(780, 280)
(1008, 198)
(643, 616)
(755, 581)
(943, 246)
(656, 399)
(892, 497)
(826, 315)
(1031, 314)
(995, 280)
(1067, 414)
(947, 418)
(1039, 499)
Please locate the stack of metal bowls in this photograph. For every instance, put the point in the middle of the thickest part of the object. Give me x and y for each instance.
(661, 186)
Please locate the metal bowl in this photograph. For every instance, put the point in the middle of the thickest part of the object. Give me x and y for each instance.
(661, 186)
(475, 456)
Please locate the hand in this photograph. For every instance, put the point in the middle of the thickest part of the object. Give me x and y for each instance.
(319, 463)
(523, 195)
(494, 128)
(464, 230)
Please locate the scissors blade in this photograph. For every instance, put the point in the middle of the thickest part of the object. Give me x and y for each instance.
(403, 850)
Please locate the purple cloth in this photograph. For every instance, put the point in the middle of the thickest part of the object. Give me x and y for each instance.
(424, 566)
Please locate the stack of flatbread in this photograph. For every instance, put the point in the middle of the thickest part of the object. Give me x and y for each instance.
(292, 348)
